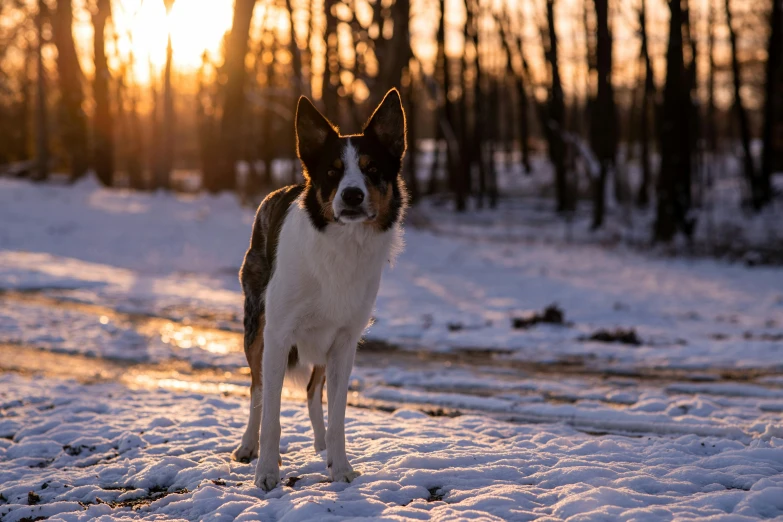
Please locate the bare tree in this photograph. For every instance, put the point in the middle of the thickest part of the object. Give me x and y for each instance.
(711, 131)
(648, 106)
(135, 147)
(754, 182)
(42, 121)
(411, 156)
(603, 124)
(441, 76)
(555, 114)
(162, 173)
(773, 108)
(231, 125)
(331, 78)
(103, 121)
(674, 179)
(72, 119)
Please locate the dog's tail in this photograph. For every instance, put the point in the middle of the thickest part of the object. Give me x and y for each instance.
(297, 375)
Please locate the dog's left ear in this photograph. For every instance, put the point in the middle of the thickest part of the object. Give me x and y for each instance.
(312, 131)
(387, 124)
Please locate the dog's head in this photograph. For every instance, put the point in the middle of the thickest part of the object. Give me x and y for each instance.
(353, 179)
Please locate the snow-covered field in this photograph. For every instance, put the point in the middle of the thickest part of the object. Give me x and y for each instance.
(102, 450)
(524, 422)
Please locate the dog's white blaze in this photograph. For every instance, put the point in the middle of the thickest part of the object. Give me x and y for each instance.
(352, 177)
(320, 298)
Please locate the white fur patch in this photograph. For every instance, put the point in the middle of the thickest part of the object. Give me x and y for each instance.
(352, 177)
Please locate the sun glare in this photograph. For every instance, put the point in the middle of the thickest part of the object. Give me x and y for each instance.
(195, 26)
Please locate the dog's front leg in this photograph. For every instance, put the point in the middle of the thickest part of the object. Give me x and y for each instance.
(273, 372)
(339, 363)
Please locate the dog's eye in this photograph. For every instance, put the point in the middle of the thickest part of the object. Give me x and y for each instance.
(332, 173)
(372, 169)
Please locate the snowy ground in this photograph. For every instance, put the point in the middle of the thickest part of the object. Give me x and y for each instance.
(134, 298)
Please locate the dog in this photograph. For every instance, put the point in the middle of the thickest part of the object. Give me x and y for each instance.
(311, 276)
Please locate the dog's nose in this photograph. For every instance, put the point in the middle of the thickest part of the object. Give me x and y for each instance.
(352, 196)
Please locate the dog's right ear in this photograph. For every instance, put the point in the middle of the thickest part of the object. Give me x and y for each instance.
(312, 131)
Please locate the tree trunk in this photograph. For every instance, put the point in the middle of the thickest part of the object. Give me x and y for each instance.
(393, 54)
(441, 74)
(269, 140)
(42, 121)
(674, 183)
(603, 128)
(296, 54)
(772, 160)
(648, 106)
(412, 155)
(754, 183)
(135, 147)
(492, 144)
(553, 126)
(154, 142)
(331, 79)
(103, 124)
(524, 119)
(711, 126)
(232, 123)
(23, 116)
(166, 158)
(73, 120)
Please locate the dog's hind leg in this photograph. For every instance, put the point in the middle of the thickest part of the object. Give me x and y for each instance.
(315, 395)
(254, 351)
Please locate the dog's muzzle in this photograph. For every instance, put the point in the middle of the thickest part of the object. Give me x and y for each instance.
(352, 207)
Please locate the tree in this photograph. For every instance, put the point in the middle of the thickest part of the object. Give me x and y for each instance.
(331, 77)
(603, 124)
(72, 119)
(42, 122)
(103, 122)
(674, 179)
(648, 104)
(773, 106)
(231, 124)
(555, 115)
(711, 131)
(135, 148)
(758, 192)
(162, 173)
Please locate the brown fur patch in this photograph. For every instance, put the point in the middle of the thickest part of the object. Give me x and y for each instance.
(364, 160)
(256, 353)
(326, 206)
(316, 379)
(338, 163)
(380, 199)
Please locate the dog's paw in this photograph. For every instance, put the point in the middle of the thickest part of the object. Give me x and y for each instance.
(344, 475)
(244, 453)
(320, 445)
(267, 479)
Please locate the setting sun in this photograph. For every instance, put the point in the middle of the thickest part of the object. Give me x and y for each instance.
(195, 26)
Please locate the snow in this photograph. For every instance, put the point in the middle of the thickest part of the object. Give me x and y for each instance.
(84, 448)
(177, 257)
(456, 414)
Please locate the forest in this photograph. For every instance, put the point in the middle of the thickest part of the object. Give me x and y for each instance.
(629, 103)
(579, 315)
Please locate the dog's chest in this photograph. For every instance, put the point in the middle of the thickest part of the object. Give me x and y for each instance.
(331, 278)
